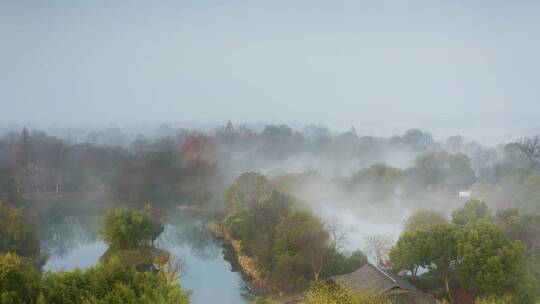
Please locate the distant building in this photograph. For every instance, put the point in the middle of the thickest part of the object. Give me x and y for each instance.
(372, 279)
(465, 194)
(34, 179)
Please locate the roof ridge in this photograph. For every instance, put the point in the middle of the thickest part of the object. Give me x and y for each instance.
(386, 275)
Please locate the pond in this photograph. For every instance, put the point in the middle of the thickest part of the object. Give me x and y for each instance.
(211, 272)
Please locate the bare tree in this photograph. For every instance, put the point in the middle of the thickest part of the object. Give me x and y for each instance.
(378, 246)
(339, 233)
(531, 147)
(172, 268)
(313, 244)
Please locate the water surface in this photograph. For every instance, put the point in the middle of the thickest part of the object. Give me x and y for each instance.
(211, 272)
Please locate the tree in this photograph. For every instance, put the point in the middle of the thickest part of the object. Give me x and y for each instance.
(8, 189)
(424, 219)
(531, 148)
(19, 281)
(24, 155)
(260, 223)
(517, 227)
(454, 143)
(441, 251)
(18, 232)
(379, 180)
(378, 246)
(409, 251)
(156, 221)
(473, 210)
(417, 138)
(460, 174)
(300, 233)
(337, 231)
(125, 228)
(429, 170)
(434, 246)
(486, 262)
(248, 189)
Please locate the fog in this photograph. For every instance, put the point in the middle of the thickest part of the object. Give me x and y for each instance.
(236, 119)
(445, 67)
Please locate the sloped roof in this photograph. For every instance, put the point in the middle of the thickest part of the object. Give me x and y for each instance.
(373, 279)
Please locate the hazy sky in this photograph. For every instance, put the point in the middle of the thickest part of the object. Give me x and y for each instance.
(420, 63)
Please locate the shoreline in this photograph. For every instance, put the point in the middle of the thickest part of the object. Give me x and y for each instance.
(262, 284)
(247, 264)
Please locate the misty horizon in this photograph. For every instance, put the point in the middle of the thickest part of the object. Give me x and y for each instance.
(447, 69)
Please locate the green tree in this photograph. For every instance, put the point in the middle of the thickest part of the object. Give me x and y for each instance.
(261, 221)
(424, 219)
(18, 232)
(441, 251)
(409, 252)
(473, 210)
(337, 263)
(19, 281)
(8, 189)
(125, 228)
(301, 233)
(486, 262)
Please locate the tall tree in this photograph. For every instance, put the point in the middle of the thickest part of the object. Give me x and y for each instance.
(424, 219)
(472, 211)
(486, 262)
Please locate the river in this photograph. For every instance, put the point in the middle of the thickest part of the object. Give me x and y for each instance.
(211, 273)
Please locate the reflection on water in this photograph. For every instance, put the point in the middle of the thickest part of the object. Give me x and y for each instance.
(61, 234)
(211, 271)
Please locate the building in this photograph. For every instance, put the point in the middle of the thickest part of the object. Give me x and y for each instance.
(373, 279)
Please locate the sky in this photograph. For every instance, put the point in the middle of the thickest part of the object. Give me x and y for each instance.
(448, 66)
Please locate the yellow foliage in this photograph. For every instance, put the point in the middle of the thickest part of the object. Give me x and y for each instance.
(11, 259)
(323, 293)
(507, 299)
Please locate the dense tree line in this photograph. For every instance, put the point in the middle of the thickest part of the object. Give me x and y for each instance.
(189, 167)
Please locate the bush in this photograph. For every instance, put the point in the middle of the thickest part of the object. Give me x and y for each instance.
(235, 225)
(324, 293)
(496, 300)
(110, 283)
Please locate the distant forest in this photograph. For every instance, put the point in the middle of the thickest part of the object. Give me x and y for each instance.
(188, 167)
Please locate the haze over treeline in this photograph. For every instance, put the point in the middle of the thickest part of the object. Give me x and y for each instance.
(320, 166)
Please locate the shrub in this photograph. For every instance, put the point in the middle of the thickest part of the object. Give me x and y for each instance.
(324, 293)
(110, 283)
